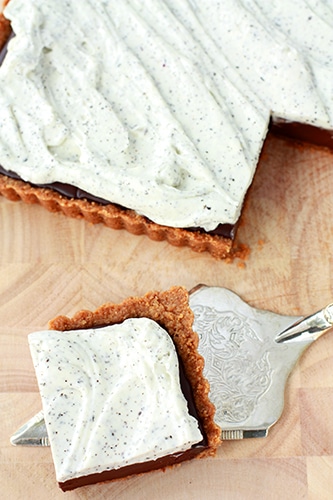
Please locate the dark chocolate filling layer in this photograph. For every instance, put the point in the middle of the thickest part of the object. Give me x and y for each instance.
(302, 132)
(139, 468)
(224, 230)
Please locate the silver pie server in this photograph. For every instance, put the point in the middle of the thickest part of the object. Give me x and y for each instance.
(32, 433)
(249, 354)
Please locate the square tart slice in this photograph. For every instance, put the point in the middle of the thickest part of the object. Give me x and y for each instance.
(122, 389)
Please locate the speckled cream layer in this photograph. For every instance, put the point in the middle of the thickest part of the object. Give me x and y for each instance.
(160, 106)
(111, 396)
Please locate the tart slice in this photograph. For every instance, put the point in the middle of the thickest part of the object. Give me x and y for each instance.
(122, 389)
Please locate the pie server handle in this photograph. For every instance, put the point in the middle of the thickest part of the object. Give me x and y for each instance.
(309, 328)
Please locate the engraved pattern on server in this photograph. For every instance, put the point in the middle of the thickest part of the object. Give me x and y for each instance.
(237, 362)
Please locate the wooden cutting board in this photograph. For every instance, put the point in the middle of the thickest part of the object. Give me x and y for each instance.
(52, 265)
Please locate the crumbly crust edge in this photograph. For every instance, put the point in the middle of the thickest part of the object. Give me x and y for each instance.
(4, 27)
(114, 217)
(171, 310)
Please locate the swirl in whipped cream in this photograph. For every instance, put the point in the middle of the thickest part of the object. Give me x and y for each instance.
(160, 106)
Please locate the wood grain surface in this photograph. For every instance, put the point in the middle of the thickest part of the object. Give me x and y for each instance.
(52, 265)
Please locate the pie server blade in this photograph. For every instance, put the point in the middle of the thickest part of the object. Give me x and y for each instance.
(248, 354)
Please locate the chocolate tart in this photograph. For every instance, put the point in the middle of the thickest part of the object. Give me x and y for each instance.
(69, 418)
(80, 203)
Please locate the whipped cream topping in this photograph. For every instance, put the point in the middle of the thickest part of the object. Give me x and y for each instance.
(111, 396)
(160, 106)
